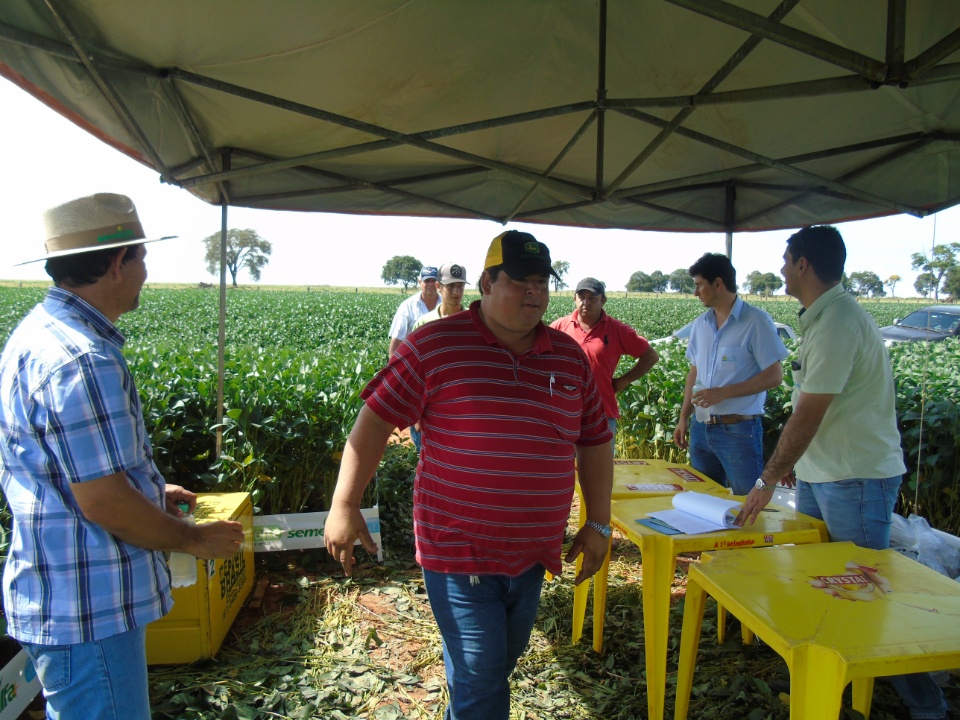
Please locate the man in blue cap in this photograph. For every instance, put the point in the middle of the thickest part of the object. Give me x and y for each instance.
(414, 306)
(411, 310)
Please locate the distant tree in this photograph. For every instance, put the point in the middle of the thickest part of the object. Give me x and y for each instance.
(941, 260)
(951, 283)
(640, 282)
(680, 281)
(925, 283)
(245, 249)
(773, 282)
(753, 283)
(561, 268)
(759, 283)
(866, 284)
(403, 269)
(660, 281)
(891, 282)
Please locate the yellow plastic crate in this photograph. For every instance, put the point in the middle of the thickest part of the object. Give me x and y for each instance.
(203, 613)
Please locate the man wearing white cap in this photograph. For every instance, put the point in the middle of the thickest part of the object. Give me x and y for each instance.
(450, 286)
(91, 512)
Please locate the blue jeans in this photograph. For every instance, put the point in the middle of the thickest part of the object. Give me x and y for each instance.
(485, 622)
(100, 680)
(612, 422)
(858, 511)
(730, 454)
(416, 436)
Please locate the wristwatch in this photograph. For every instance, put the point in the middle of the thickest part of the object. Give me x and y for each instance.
(761, 485)
(604, 530)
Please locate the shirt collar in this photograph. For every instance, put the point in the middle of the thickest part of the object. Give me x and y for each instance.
(93, 317)
(807, 316)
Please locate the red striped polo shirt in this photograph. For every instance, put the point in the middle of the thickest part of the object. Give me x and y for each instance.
(495, 479)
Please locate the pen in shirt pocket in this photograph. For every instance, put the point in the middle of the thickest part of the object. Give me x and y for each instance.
(552, 380)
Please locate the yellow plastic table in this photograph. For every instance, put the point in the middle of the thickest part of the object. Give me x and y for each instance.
(638, 473)
(658, 472)
(837, 613)
(775, 526)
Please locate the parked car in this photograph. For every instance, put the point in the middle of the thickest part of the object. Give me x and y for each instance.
(784, 331)
(932, 324)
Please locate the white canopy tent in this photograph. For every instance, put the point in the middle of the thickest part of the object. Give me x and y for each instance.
(680, 115)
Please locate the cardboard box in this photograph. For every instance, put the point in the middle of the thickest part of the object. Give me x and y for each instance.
(203, 613)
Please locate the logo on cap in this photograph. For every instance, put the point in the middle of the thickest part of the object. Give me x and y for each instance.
(456, 271)
(532, 246)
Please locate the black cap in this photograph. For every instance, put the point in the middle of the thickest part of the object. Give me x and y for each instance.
(591, 285)
(520, 254)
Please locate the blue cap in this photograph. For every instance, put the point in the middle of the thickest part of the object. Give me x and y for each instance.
(427, 272)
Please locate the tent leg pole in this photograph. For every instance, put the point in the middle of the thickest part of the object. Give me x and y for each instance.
(222, 326)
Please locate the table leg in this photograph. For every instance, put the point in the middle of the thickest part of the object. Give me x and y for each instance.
(694, 603)
(600, 600)
(580, 593)
(863, 695)
(817, 680)
(658, 572)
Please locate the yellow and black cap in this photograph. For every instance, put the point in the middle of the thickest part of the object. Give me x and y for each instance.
(520, 255)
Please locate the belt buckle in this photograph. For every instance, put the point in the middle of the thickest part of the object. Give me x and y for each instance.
(714, 420)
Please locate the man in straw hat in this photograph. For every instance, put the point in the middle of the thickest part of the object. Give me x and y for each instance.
(507, 404)
(91, 512)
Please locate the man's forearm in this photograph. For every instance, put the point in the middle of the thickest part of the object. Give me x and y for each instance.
(640, 368)
(595, 471)
(798, 433)
(764, 380)
(361, 456)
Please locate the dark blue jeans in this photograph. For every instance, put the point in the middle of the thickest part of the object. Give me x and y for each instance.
(731, 454)
(858, 510)
(485, 622)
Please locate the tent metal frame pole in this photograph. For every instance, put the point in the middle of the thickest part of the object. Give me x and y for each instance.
(718, 77)
(856, 172)
(790, 37)
(358, 184)
(563, 186)
(723, 175)
(111, 96)
(730, 215)
(556, 161)
(601, 96)
(777, 165)
(222, 316)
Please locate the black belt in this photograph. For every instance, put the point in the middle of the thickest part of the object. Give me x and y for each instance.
(729, 419)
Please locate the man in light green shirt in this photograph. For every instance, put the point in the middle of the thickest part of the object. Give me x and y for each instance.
(842, 438)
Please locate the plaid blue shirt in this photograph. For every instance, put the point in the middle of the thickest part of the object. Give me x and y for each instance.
(69, 413)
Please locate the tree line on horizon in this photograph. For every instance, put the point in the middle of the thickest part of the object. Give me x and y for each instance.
(940, 271)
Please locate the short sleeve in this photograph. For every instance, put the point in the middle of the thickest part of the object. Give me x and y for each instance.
(397, 393)
(93, 426)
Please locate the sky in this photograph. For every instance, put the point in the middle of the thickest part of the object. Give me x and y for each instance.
(45, 160)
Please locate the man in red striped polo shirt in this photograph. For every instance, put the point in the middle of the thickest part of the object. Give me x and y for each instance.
(506, 404)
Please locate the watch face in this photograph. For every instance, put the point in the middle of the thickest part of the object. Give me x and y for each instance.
(760, 484)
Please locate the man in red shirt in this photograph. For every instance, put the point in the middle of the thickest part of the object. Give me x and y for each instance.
(605, 340)
(505, 404)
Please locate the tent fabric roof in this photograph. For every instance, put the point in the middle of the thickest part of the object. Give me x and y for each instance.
(679, 115)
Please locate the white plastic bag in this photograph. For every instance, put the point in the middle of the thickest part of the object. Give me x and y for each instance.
(915, 538)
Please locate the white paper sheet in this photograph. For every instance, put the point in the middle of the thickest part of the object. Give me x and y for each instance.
(697, 513)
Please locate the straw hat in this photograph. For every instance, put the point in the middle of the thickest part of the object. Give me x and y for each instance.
(95, 222)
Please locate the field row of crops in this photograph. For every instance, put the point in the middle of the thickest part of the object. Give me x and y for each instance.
(296, 362)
